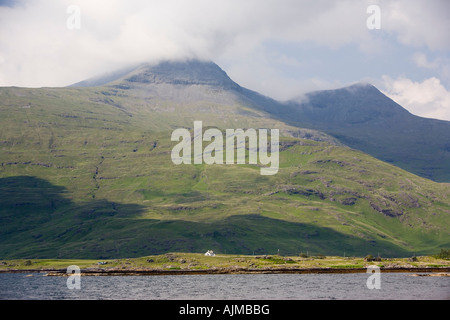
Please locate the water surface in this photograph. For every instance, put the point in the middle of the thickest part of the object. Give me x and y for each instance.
(394, 286)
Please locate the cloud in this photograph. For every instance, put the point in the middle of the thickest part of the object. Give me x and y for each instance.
(440, 65)
(418, 23)
(421, 60)
(40, 50)
(429, 98)
(37, 48)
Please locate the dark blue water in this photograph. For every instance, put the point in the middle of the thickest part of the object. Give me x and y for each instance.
(395, 286)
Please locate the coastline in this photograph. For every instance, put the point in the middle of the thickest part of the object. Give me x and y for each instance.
(442, 271)
(199, 264)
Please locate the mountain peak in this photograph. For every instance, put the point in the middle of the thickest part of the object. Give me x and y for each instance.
(181, 72)
(350, 90)
(360, 102)
(189, 72)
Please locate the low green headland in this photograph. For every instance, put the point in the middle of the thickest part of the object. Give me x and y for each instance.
(198, 263)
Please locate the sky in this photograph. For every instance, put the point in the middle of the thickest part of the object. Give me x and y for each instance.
(281, 48)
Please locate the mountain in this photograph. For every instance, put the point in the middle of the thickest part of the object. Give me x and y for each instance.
(86, 172)
(359, 116)
(190, 72)
(362, 117)
(192, 86)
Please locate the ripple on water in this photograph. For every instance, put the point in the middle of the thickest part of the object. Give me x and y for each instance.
(394, 286)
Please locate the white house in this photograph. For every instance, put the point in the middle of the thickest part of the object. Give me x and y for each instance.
(210, 253)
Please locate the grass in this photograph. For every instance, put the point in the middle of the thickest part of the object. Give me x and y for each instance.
(80, 178)
(197, 261)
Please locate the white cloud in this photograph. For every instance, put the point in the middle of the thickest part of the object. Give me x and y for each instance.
(421, 60)
(37, 49)
(257, 73)
(429, 98)
(440, 65)
(419, 22)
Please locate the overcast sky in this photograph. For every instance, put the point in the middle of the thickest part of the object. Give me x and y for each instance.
(280, 48)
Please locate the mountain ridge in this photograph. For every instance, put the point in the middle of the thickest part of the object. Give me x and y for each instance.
(86, 172)
(364, 118)
(359, 115)
(183, 72)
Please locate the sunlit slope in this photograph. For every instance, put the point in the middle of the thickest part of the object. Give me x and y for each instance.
(87, 173)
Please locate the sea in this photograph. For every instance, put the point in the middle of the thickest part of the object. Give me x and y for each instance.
(351, 286)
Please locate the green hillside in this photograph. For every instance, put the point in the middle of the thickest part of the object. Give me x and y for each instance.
(87, 173)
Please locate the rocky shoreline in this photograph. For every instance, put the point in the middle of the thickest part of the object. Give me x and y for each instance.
(442, 271)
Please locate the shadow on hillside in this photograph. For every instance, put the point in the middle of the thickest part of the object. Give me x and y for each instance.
(40, 221)
(38, 216)
(21, 196)
(255, 234)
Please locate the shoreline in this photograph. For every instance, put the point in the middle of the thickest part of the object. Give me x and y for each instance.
(201, 264)
(444, 271)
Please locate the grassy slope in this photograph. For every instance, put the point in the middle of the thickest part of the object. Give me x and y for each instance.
(86, 173)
